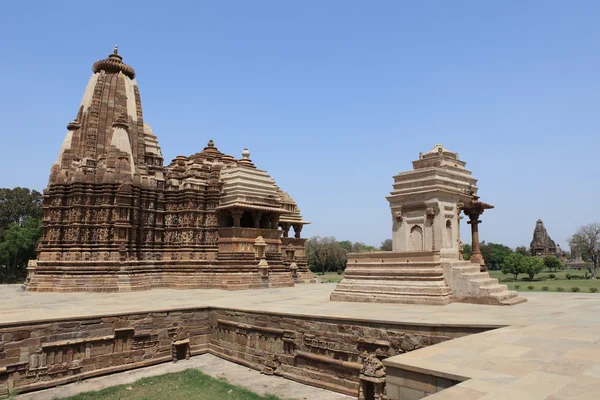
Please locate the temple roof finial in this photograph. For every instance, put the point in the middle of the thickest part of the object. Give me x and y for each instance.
(116, 49)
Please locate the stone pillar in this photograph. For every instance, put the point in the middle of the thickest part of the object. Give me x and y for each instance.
(297, 230)
(286, 228)
(474, 222)
(237, 218)
(257, 215)
(274, 220)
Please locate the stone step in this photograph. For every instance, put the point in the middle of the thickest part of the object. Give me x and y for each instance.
(393, 289)
(513, 300)
(392, 272)
(380, 297)
(466, 269)
(504, 295)
(484, 281)
(494, 288)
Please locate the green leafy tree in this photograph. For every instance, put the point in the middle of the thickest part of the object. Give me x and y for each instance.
(586, 242)
(513, 264)
(494, 254)
(386, 245)
(532, 266)
(17, 248)
(16, 205)
(324, 254)
(467, 251)
(359, 247)
(553, 263)
(522, 250)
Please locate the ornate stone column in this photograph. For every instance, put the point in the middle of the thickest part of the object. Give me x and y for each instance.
(297, 230)
(476, 257)
(257, 216)
(285, 226)
(237, 217)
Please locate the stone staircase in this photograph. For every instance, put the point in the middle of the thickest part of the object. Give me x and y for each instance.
(469, 285)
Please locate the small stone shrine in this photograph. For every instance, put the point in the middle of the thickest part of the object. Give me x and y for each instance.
(426, 266)
(116, 219)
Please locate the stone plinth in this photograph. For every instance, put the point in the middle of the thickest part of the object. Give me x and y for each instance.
(394, 277)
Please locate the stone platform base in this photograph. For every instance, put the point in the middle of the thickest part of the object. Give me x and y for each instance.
(138, 276)
(418, 278)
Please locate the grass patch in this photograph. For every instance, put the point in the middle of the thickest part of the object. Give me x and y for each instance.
(330, 277)
(185, 385)
(543, 283)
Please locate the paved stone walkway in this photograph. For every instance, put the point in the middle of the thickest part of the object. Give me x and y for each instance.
(549, 347)
(210, 365)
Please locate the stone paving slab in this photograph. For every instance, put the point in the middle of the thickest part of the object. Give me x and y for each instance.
(548, 347)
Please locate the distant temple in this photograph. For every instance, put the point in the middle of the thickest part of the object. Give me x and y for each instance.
(116, 219)
(542, 245)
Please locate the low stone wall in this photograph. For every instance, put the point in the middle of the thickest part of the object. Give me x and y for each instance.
(342, 355)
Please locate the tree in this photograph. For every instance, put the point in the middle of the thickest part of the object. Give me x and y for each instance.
(531, 266)
(386, 245)
(16, 205)
(359, 247)
(494, 254)
(513, 264)
(586, 241)
(522, 250)
(467, 251)
(324, 254)
(17, 248)
(553, 263)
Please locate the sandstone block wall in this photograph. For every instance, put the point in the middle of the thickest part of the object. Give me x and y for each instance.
(331, 353)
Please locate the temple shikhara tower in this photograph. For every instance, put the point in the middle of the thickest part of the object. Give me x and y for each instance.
(426, 265)
(542, 245)
(116, 219)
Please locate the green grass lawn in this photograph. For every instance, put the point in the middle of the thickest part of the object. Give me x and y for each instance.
(185, 385)
(330, 277)
(560, 281)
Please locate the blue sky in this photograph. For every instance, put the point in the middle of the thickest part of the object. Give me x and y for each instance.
(333, 97)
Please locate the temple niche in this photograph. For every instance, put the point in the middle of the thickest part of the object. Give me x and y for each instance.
(116, 219)
(425, 265)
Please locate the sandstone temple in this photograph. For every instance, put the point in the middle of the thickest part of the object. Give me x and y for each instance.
(542, 245)
(116, 219)
(426, 266)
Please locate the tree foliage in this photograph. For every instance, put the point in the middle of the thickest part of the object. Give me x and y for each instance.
(16, 205)
(532, 266)
(324, 254)
(522, 250)
(586, 241)
(512, 264)
(20, 212)
(386, 245)
(553, 263)
(467, 251)
(517, 263)
(494, 254)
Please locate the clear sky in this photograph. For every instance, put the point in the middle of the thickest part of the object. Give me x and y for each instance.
(332, 97)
